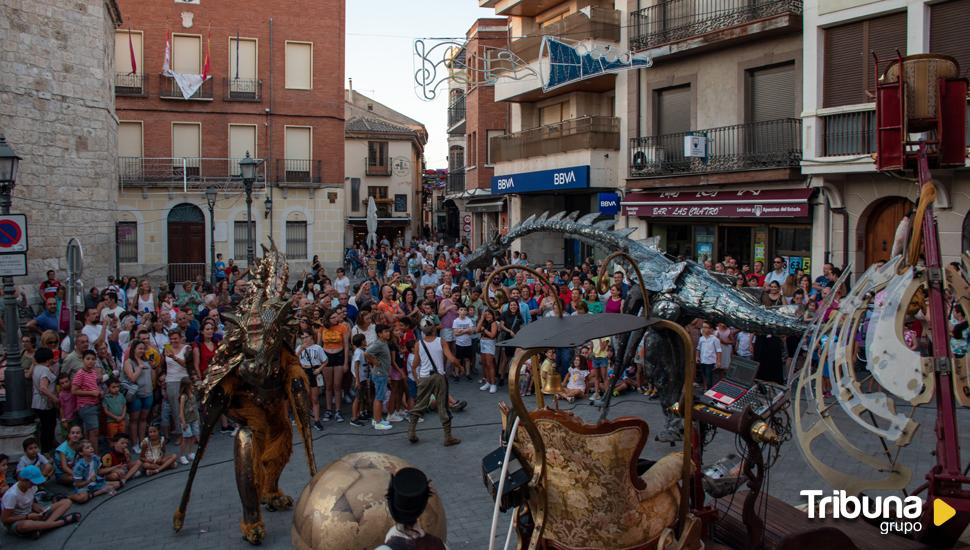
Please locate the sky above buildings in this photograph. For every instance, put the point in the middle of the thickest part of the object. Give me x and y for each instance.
(380, 57)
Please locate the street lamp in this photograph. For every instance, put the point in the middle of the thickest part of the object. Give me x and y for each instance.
(268, 207)
(210, 197)
(247, 167)
(16, 410)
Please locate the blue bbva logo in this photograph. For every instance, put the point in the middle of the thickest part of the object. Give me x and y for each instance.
(505, 183)
(563, 178)
(607, 204)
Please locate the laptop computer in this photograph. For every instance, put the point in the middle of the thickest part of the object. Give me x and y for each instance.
(737, 382)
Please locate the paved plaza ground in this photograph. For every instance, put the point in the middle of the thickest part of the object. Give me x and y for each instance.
(140, 515)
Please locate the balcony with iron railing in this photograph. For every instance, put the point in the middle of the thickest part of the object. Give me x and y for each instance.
(169, 89)
(676, 26)
(456, 181)
(590, 132)
(298, 171)
(602, 24)
(456, 115)
(242, 89)
(187, 173)
(770, 144)
(131, 85)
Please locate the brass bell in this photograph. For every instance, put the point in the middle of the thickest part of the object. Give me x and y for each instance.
(551, 381)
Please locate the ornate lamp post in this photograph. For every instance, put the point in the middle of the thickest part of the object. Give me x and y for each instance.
(210, 198)
(247, 167)
(16, 410)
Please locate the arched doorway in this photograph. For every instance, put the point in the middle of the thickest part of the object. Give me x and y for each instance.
(881, 224)
(186, 243)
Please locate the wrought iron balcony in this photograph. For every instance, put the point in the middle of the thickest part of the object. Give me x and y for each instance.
(298, 171)
(131, 85)
(591, 132)
(169, 89)
(741, 147)
(456, 181)
(675, 20)
(456, 115)
(242, 89)
(189, 173)
(602, 24)
(852, 133)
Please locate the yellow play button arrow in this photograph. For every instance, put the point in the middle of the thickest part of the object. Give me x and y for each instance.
(942, 512)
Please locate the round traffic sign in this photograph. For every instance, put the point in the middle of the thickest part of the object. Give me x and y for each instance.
(468, 218)
(468, 228)
(10, 233)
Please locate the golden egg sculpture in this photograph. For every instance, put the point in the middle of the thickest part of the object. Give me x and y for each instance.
(344, 505)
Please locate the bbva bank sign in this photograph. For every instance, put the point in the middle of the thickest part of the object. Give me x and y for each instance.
(574, 177)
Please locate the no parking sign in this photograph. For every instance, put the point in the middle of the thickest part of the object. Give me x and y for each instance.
(13, 234)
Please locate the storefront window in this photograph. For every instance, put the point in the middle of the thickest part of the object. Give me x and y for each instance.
(704, 243)
(676, 240)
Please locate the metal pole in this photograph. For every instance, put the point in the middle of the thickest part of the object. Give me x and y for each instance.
(212, 245)
(16, 409)
(250, 234)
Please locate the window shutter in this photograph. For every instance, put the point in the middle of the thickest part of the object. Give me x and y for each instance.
(772, 93)
(673, 110)
(845, 63)
(886, 35)
(948, 32)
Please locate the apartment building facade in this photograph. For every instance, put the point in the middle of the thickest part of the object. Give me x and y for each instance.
(862, 207)
(275, 93)
(473, 118)
(714, 139)
(384, 152)
(562, 145)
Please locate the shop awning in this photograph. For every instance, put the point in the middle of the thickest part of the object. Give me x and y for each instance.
(485, 205)
(382, 221)
(734, 203)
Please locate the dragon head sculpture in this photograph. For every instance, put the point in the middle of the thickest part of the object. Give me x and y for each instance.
(484, 255)
(262, 324)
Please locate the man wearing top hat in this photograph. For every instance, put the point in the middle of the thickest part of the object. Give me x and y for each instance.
(407, 497)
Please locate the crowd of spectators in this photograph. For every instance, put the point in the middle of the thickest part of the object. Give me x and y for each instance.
(119, 400)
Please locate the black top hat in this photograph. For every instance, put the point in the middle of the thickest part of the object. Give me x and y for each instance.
(407, 495)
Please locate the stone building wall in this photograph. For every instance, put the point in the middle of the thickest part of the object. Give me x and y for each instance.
(57, 112)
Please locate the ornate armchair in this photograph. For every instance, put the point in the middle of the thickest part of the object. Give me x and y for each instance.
(594, 498)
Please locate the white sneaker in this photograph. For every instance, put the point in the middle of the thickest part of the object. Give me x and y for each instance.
(485, 386)
(183, 461)
(191, 456)
(396, 417)
(383, 425)
(492, 388)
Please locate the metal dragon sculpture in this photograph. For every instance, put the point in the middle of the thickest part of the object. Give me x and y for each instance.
(678, 289)
(255, 379)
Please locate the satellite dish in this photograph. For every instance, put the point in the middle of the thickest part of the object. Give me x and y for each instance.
(639, 160)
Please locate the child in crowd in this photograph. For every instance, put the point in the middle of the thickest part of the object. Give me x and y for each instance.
(630, 379)
(86, 388)
(708, 354)
(88, 482)
(23, 516)
(153, 457)
(188, 419)
(115, 410)
(33, 457)
(361, 372)
(600, 348)
(117, 463)
(745, 344)
(575, 379)
(65, 455)
(463, 328)
(67, 403)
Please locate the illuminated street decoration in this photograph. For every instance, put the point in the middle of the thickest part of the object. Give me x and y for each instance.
(573, 61)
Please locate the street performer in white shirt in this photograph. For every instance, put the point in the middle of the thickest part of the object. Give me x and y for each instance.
(429, 372)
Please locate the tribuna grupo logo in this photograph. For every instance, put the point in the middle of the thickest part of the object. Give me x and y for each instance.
(898, 514)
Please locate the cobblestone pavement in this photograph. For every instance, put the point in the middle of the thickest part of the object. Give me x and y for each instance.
(140, 515)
